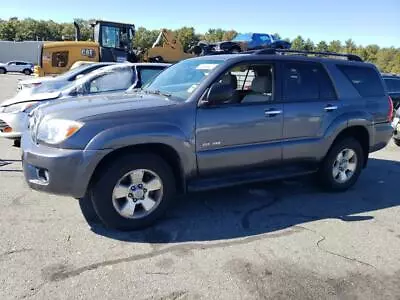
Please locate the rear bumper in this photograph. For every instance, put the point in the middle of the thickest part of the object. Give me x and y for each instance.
(58, 171)
(17, 121)
(382, 133)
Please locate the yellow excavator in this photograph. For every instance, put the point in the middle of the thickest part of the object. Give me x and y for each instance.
(166, 48)
(112, 42)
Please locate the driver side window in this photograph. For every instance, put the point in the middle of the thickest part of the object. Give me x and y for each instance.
(251, 83)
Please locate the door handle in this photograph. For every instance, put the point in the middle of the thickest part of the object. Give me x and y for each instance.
(329, 108)
(272, 112)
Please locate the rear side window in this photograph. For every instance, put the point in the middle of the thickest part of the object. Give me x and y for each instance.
(306, 82)
(366, 80)
(393, 85)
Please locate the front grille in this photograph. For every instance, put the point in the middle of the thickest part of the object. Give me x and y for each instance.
(3, 125)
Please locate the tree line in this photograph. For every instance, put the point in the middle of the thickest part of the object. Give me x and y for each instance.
(14, 29)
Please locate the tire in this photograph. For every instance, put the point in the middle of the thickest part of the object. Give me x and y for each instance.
(397, 142)
(27, 72)
(3, 71)
(326, 172)
(117, 172)
(88, 211)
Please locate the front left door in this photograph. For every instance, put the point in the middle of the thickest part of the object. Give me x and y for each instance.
(241, 135)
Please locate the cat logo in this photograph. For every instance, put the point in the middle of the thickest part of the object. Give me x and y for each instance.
(88, 52)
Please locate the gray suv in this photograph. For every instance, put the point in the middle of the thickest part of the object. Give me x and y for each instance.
(210, 122)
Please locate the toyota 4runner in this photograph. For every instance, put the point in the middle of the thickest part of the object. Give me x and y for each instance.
(210, 122)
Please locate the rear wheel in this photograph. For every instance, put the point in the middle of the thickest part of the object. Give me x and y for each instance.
(27, 72)
(3, 71)
(134, 192)
(342, 166)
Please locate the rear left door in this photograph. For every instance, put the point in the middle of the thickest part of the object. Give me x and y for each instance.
(310, 106)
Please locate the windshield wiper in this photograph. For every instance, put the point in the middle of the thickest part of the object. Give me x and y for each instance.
(157, 92)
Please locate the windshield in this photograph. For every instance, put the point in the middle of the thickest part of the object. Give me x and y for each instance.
(183, 78)
(243, 37)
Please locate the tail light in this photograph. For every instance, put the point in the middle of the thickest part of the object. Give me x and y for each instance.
(390, 113)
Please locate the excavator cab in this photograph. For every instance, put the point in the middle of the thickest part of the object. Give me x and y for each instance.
(115, 40)
(111, 42)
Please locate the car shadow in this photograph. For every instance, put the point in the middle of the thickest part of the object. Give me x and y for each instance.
(266, 208)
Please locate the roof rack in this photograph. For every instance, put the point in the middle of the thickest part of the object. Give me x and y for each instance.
(351, 57)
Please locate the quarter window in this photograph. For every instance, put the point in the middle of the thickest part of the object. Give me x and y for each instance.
(147, 74)
(365, 79)
(306, 82)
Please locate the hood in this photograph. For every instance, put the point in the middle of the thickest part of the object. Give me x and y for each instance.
(19, 98)
(3, 64)
(77, 108)
(37, 80)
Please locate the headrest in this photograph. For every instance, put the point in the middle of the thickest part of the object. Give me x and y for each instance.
(230, 79)
(262, 85)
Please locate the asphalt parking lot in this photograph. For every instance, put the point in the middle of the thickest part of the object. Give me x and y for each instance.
(276, 240)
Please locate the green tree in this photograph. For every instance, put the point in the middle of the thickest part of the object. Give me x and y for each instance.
(214, 35)
(309, 45)
(298, 43)
(322, 46)
(187, 36)
(350, 46)
(335, 46)
(145, 38)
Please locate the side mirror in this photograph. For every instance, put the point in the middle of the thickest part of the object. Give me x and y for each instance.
(219, 93)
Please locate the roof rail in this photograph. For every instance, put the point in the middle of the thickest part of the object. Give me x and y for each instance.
(351, 57)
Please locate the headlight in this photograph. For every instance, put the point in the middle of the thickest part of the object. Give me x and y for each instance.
(55, 131)
(15, 108)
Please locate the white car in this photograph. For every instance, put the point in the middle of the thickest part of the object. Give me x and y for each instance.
(110, 79)
(41, 84)
(17, 66)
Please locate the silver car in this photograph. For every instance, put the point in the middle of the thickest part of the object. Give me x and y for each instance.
(40, 84)
(115, 78)
(17, 66)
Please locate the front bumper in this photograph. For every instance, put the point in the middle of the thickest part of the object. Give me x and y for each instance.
(58, 171)
(17, 121)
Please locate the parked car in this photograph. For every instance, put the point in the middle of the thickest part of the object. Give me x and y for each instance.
(110, 79)
(17, 66)
(41, 84)
(251, 41)
(195, 128)
(392, 82)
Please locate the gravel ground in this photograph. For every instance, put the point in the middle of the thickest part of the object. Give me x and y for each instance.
(277, 240)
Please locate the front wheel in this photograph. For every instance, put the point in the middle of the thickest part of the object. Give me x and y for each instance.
(133, 192)
(3, 71)
(342, 166)
(397, 142)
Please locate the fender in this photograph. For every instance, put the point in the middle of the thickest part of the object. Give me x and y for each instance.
(342, 122)
(148, 133)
